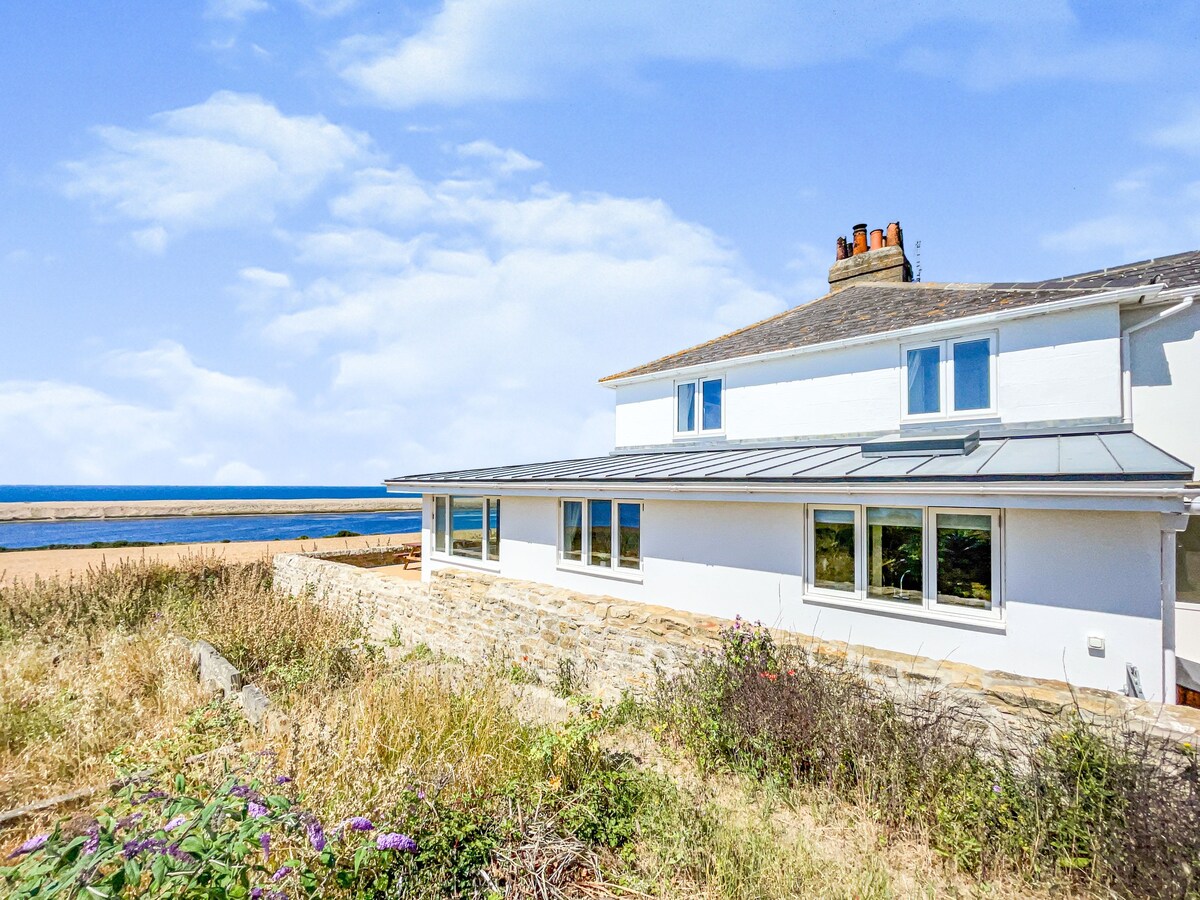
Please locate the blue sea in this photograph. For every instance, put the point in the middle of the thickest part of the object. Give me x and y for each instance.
(18, 535)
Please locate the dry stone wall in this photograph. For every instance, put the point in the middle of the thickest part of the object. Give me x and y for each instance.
(614, 645)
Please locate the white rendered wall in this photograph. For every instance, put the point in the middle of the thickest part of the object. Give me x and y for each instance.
(1165, 384)
(1067, 575)
(1051, 368)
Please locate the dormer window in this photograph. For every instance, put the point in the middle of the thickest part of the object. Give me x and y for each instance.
(953, 378)
(699, 406)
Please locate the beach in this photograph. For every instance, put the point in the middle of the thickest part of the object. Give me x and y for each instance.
(25, 565)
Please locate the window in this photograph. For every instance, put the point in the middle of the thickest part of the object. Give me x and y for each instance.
(965, 559)
(895, 554)
(834, 549)
(935, 559)
(467, 527)
(949, 378)
(604, 534)
(699, 406)
(1187, 562)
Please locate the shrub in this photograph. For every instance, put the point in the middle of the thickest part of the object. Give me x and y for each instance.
(1102, 804)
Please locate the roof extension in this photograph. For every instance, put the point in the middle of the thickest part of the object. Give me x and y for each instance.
(879, 308)
(1116, 457)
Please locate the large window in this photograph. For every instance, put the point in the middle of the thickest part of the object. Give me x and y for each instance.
(949, 378)
(601, 534)
(699, 406)
(938, 559)
(467, 527)
(1187, 562)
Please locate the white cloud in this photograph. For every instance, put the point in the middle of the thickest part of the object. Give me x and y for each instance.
(1183, 134)
(473, 317)
(265, 278)
(498, 50)
(234, 10)
(499, 161)
(238, 472)
(231, 161)
(328, 8)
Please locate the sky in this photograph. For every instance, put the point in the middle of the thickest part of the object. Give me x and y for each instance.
(333, 241)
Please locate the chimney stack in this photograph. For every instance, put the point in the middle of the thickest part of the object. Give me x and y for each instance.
(880, 258)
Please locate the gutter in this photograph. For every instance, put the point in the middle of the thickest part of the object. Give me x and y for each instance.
(1126, 371)
(1138, 293)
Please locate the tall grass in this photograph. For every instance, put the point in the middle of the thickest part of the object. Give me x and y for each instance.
(1104, 806)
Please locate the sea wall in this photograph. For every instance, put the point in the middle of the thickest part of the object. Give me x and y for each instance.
(614, 645)
(155, 509)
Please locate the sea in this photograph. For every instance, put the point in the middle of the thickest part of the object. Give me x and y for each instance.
(189, 529)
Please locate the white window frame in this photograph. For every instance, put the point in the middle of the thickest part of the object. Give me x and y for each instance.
(698, 400)
(486, 560)
(859, 559)
(929, 607)
(946, 378)
(584, 565)
(931, 561)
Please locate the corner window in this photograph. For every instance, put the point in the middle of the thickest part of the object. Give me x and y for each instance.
(467, 527)
(936, 559)
(601, 534)
(942, 379)
(699, 406)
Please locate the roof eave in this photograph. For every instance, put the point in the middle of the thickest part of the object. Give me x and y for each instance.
(1120, 295)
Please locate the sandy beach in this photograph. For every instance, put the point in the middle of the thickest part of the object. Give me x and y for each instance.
(24, 565)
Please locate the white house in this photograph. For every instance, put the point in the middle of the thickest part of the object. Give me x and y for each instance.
(997, 474)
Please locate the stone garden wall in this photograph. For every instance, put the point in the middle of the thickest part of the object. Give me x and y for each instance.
(614, 645)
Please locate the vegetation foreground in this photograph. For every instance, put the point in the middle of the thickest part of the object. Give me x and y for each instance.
(759, 772)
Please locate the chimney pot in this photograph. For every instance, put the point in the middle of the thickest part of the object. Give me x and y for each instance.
(842, 252)
(860, 238)
(877, 239)
(895, 237)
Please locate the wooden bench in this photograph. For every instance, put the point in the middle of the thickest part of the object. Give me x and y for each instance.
(409, 553)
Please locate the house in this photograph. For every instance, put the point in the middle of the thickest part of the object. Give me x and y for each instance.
(998, 474)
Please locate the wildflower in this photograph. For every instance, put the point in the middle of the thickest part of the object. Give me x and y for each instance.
(282, 779)
(92, 844)
(281, 873)
(129, 821)
(34, 843)
(791, 671)
(133, 847)
(151, 795)
(264, 839)
(177, 854)
(555, 782)
(316, 834)
(174, 823)
(996, 789)
(256, 893)
(394, 841)
(420, 795)
(359, 823)
(245, 792)
(255, 810)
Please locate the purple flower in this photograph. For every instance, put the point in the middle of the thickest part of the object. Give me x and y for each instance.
(282, 779)
(178, 855)
(151, 795)
(245, 793)
(256, 893)
(92, 844)
(34, 843)
(359, 823)
(281, 873)
(420, 795)
(316, 834)
(174, 823)
(255, 810)
(134, 847)
(996, 789)
(265, 840)
(394, 841)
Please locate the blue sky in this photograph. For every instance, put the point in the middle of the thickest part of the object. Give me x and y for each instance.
(329, 241)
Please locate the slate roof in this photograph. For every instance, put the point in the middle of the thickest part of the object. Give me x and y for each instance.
(876, 308)
(1121, 456)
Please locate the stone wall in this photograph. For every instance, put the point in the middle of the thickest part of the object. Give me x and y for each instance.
(615, 645)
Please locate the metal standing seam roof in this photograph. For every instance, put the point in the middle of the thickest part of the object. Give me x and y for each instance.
(878, 308)
(1121, 456)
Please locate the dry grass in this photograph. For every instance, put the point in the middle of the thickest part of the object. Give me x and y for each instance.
(425, 726)
(66, 707)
